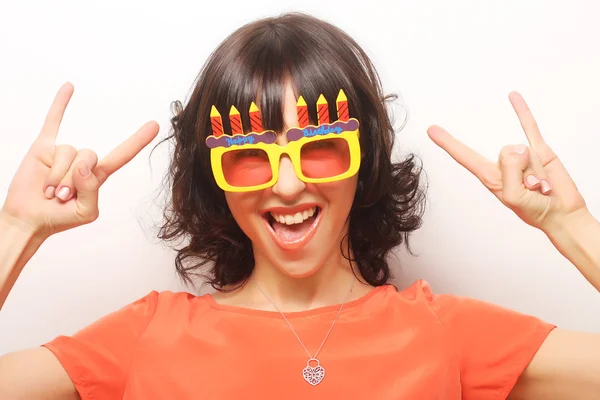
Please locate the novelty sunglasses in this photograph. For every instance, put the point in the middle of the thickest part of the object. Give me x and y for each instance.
(324, 153)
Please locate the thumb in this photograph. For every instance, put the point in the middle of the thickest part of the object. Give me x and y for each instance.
(513, 161)
(86, 185)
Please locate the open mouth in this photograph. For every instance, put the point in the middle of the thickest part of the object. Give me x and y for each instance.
(293, 231)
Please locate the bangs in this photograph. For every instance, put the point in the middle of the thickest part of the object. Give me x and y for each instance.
(255, 63)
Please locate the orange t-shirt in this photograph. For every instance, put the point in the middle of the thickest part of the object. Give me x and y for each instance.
(410, 344)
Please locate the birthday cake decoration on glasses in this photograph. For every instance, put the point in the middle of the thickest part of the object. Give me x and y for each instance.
(258, 135)
(218, 139)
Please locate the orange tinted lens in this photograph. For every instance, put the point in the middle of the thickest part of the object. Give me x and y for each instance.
(325, 158)
(244, 168)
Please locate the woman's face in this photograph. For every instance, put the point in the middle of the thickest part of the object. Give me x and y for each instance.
(296, 227)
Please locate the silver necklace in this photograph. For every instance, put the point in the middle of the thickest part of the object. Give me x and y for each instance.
(312, 375)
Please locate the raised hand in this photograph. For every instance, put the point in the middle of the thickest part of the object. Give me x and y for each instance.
(531, 181)
(56, 187)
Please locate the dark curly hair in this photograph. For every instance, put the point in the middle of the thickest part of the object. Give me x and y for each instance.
(254, 63)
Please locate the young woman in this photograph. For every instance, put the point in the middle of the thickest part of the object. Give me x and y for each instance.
(291, 202)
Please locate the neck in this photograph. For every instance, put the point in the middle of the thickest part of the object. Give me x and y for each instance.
(327, 286)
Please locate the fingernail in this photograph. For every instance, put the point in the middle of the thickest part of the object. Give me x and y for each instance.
(84, 171)
(50, 192)
(519, 149)
(532, 180)
(63, 193)
(546, 186)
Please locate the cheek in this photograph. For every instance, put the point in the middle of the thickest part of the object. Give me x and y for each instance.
(340, 194)
(243, 207)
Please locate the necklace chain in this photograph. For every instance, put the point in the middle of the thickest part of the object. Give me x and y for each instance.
(290, 325)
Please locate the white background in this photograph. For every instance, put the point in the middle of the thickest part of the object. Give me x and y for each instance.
(453, 63)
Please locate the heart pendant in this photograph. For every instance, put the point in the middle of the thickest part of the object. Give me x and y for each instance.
(313, 375)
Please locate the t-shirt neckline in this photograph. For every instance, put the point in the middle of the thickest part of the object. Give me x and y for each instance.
(296, 314)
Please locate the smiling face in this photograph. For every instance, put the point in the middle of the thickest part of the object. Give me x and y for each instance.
(294, 226)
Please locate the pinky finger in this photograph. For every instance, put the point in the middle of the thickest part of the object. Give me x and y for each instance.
(91, 159)
(545, 187)
(532, 182)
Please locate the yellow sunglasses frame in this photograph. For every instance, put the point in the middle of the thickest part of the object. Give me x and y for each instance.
(292, 149)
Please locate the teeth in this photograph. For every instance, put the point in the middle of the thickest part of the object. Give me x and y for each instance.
(296, 218)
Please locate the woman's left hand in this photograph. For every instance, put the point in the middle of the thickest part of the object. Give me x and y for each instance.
(531, 181)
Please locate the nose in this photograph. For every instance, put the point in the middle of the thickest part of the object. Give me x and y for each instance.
(288, 185)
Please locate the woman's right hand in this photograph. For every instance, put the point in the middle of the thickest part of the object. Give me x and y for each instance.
(56, 187)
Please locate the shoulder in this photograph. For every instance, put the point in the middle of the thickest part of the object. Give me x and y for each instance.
(419, 290)
(450, 308)
(412, 303)
(165, 304)
(467, 317)
(167, 300)
(418, 293)
(170, 297)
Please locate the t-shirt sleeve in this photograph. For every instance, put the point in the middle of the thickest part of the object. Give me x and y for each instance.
(493, 344)
(97, 358)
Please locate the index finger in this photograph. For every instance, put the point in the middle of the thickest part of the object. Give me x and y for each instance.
(477, 164)
(125, 152)
(56, 112)
(534, 136)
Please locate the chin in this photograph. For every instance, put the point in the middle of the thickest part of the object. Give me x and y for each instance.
(323, 248)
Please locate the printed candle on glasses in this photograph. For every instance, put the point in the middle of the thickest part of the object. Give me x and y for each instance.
(255, 119)
(215, 122)
(236, 121)
(322, 110)
(342, 106)
(302, 111)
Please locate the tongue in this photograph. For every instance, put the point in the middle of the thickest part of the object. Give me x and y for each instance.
(292, 233)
